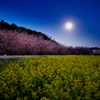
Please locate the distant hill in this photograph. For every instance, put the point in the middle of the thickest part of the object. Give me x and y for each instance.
(14, 27)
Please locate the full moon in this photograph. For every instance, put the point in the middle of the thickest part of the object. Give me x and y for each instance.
(69, 25)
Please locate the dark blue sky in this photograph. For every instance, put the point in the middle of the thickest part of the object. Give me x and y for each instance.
(50, 17)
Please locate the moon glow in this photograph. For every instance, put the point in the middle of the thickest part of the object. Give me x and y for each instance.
(69, 25)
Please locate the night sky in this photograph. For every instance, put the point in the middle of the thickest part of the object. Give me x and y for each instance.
(51, 16)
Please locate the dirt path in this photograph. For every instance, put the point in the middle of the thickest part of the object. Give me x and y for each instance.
(8, 58)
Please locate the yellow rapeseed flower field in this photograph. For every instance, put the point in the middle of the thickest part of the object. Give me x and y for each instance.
(68, 77)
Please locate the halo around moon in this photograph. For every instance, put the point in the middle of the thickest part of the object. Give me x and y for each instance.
(69, 25)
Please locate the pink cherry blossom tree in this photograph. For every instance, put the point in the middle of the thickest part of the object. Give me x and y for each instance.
(22, 43)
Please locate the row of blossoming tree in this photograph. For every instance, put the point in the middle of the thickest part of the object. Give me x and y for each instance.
(14, 43)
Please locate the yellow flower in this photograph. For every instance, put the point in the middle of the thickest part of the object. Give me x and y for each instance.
(33, 94)
(19, 99)
(26, 98)
(18, 93)
(0, 90)
(44, 98)
(4, 84)
(23, 91)
(6, 96)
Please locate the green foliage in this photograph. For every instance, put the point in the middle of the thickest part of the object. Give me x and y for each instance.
(51, 78)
